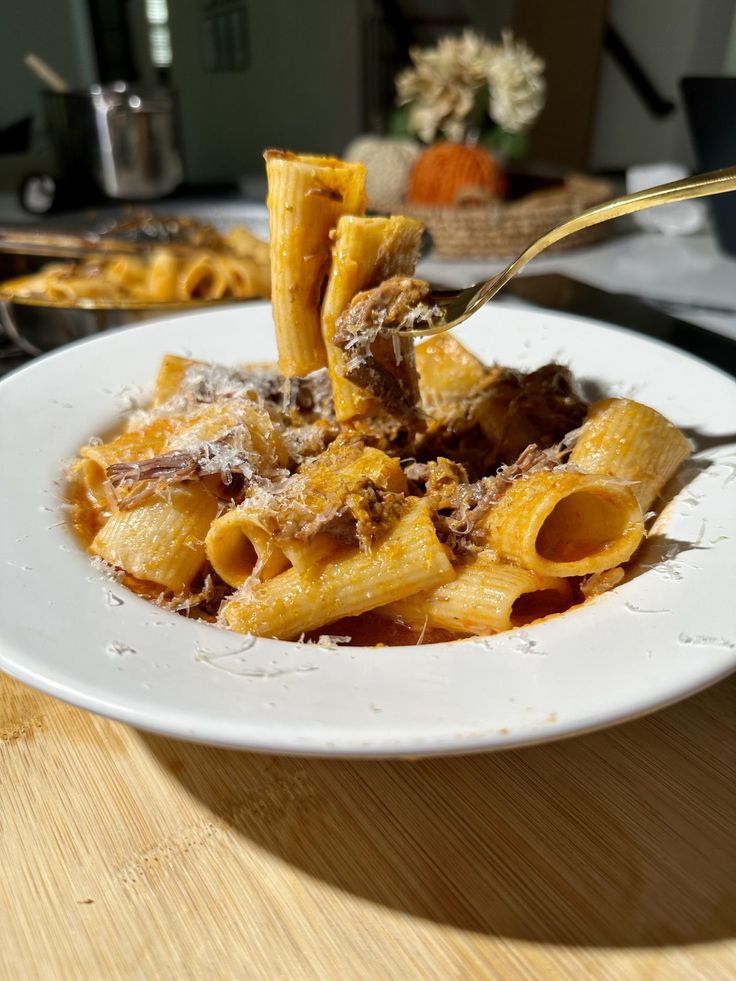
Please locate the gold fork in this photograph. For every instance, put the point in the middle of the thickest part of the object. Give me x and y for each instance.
(457, 305)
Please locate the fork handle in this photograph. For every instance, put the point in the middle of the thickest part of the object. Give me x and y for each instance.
(697, 186)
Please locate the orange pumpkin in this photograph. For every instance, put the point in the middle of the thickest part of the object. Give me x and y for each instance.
(454, 173)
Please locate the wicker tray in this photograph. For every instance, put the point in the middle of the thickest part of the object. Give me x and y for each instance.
(505, 228)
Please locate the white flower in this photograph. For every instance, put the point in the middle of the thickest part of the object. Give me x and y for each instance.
(442, 83)
(516, 85)
(424, 120)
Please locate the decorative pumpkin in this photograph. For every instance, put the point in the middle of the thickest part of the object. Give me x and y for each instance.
(388, 162)
(454, 174)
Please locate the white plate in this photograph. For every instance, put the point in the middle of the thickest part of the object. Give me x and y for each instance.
(668, 632)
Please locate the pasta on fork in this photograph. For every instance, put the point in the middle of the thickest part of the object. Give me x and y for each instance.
(369, 486)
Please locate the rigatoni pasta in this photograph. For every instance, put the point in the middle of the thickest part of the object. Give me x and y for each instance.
(633, 442)
(306, 196)
(234, 265)
(409, 558)
(563, 523)
(262, 536)
(297, 521)
(238, 547)
(448, 372)
(486, 596)
(161, 540)
(365, 252)
(441, 495)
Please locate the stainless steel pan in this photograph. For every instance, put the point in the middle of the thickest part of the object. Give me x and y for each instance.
(37, 325)
(122, 140)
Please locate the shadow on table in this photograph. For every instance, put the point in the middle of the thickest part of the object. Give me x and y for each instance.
(618, 838)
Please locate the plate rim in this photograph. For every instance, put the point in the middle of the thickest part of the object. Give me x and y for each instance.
(486, 743)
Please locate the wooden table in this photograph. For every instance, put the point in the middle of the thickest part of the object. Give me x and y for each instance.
(125, 855)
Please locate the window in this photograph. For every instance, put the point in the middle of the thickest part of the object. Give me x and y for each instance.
(159, 36)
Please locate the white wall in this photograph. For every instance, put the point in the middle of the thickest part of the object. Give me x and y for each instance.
(671, 39)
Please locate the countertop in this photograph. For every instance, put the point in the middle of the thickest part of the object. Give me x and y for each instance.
(608, 856)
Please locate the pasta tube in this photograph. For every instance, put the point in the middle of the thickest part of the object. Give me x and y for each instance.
(162, 276)
(409, 558)
(162, 539)
(306, 555)
(74, 288)
(126, 273)
(170, 376)
(486, 597)
(447, 371)
(211, 438)
(246, 245)
(138, 444)
(633, 442)
(236, 545)
(306, 196)
(561, 523)
(269, 534)
(236, 421)
(245, 277)
(366, 251)
(342, 468)
(202, 278)
(235, 265)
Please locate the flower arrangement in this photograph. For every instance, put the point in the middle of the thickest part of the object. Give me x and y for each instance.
(465, 109)
(468, 89)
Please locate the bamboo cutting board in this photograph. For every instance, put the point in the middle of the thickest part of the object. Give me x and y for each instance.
(124, 855)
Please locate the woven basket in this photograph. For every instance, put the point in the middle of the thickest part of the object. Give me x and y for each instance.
(505, 228)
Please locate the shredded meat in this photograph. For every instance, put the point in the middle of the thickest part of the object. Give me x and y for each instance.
(365, 511)
(208, 592)
(169, 466)
(304, 442)
(313, 395)
(290, 403)
(502, 416)
(141, 226)
(533, 459)
(417, 473)
(396, 437)
(443, 480)
(378, 358)
(461, 508)
(303, 506)
(227, 464)
(211, 382)
(385, 308)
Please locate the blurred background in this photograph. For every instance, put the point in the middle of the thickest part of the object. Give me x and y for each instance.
(313, 74)
(169, 104)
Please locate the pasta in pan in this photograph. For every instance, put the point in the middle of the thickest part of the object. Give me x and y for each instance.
(233, 265)
(391, 492)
